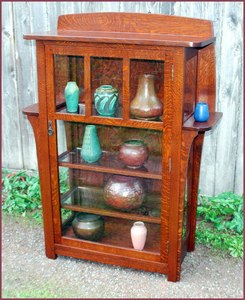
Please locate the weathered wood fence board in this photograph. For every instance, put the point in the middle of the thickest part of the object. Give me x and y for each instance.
(222, 162)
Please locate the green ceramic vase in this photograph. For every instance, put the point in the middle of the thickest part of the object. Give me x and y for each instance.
(91, 150)
(106, 100)
(72, 97)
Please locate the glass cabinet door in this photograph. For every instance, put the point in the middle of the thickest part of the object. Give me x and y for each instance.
(108, 149)
(119, 193)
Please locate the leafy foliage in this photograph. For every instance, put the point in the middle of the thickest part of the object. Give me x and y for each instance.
(225, 211)
(222, 222)
(21, 192)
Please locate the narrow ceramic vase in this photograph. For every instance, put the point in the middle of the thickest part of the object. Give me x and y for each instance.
(91, 151)
(72, 97)
(201, 113)
(106, 100)
(146, 105)
(138, 235)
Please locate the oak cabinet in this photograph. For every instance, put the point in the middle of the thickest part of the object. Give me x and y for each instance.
(97, 49)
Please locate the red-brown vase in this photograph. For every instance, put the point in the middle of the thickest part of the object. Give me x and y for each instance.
(146, 105)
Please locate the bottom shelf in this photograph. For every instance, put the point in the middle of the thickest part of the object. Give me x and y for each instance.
(117, 234)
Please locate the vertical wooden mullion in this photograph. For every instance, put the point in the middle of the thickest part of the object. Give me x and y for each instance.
(175, 229)
(126, 89)
(166, 159)
(52, 141)
(54, 168)
(51, 101)
(43, 153)
(87, 86)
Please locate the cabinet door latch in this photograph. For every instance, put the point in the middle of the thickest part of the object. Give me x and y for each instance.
(50, 129)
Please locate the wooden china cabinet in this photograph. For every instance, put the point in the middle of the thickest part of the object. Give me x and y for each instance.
(95, 49)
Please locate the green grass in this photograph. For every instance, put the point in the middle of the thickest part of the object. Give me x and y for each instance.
(220, 218)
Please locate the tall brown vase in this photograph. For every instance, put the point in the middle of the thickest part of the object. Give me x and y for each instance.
(146, 105)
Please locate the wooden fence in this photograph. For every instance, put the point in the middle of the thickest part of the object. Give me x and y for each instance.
(222, 162)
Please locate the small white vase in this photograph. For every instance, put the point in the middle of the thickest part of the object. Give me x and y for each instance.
(138, 235)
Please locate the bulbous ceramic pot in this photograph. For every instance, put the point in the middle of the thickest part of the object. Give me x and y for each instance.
(133, 153)
(146, 105)
(106, 100)
(124, 192)
(88, 226)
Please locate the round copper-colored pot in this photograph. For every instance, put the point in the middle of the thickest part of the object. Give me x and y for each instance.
(124, 192)
(133, 153)
(88, 226)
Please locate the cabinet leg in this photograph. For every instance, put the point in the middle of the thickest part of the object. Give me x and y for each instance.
(193, 194)
(43, 166)
(179, 175)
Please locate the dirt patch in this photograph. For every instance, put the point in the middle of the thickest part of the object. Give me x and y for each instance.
(27, 273)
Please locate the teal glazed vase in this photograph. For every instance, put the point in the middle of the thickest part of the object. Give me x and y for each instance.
(72, 97)
(106, 100)
(91, 150)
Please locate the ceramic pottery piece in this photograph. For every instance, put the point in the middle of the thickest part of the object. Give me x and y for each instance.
(138, 235)
(88, 226)
(106, 100)
(146, 105)
(201, 113)
(91, 151)
(133, 153)
(123, 192)
(72, 97)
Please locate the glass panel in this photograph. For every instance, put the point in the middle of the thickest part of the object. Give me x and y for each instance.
(106, 76)
(69, 69)
(127, 151)
(118, 200)
(146, 89)
(122, 185)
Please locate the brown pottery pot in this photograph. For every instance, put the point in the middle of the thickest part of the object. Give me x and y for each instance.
(88, 226)
(133, 153)
(124, 192)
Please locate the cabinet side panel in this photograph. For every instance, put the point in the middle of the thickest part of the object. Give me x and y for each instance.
(206, 79)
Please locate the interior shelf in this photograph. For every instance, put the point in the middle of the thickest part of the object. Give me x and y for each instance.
(117, 233)
(110, 163)
(90, 199)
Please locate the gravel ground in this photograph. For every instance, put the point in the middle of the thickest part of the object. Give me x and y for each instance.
(27, 273)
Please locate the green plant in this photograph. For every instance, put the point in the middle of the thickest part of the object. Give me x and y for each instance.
(21, 191)
(221, 224)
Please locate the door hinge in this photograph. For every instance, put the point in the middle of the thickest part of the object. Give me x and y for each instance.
(169, 164)
(50, 129)
(172, 72)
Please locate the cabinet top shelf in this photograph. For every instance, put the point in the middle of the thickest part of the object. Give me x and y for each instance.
(130, 28)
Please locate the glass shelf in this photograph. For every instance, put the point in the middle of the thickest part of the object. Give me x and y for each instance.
(117, 234)
(110, 163)
(90, 199)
